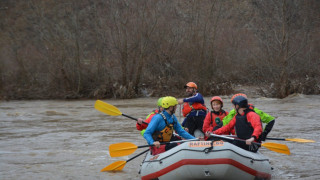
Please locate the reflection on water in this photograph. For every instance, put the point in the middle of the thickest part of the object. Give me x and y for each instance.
(70, 139)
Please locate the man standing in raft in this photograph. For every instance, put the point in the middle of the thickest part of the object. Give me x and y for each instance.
(193, 109)
(162, 125)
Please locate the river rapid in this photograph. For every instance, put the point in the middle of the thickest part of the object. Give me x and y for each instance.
(70, 139)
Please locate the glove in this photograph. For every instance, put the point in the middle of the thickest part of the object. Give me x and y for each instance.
(253, 147)
(263, 136)
(267, 129)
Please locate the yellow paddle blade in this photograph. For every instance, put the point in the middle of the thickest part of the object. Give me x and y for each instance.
(280, 148)
(116, 166)
(107, 108)
(122, 149)
(300, 140)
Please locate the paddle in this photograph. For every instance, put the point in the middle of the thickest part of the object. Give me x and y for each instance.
(276, 147)
(293, 139)
(119, 165)
(127, 148)
(111, 110)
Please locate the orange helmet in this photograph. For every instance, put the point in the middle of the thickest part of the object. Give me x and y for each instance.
(191, 84)
(239, 94)
(217, 98)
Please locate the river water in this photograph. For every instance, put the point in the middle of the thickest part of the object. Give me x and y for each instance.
(70, 139)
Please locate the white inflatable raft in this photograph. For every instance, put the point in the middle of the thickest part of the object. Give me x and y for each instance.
(206, 160)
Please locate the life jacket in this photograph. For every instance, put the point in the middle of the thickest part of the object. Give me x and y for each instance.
(215, 120)
(143, 126)
(165, 134)
(154, 112)
(251, 106)
(188, 107)
(243, 128)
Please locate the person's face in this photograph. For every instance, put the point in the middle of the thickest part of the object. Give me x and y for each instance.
(174, 109)
(189, 91)
(216, 105)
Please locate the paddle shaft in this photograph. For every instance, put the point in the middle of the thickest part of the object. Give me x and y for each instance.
(133, 118)
(230, 138)
(137, 155)
(293, 140)
(279, 139)
(170, 142)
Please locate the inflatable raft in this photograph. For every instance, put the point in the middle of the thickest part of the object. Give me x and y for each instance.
(206, 160)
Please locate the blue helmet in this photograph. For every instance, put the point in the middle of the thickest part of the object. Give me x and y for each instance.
(241, 101)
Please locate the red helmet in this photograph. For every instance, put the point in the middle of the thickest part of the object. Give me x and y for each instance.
(191, 84)
(217, 98)
(239, 94)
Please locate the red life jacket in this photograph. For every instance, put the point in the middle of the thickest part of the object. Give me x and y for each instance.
(143, 126)
(212, 118)
(213, 115)
(188, 107)
(251, 106)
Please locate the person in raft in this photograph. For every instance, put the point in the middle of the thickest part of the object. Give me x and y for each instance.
(193, 108)
(267, 120)
(142, 126)
(247, 125)
(213, 120)
(161, 126)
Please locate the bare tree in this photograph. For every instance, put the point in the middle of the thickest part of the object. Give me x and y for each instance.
(277, 26)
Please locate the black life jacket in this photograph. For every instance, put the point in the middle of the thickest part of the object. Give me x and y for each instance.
(244, 129)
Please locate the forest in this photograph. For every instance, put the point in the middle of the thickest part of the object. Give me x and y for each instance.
(71, 49)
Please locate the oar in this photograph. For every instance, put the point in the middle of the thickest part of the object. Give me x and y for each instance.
(127, 148)
(293, 139)
(276, 147)
(119, 165)
(111, 110)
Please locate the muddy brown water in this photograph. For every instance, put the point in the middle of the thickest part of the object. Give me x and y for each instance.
(70, 139)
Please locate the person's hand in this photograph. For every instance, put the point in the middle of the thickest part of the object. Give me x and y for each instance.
(186, 129)
(263, 136)
(249, 141)
(201, 138)
(156, 144)
(208, 133)
(140, 120)
(180, 101)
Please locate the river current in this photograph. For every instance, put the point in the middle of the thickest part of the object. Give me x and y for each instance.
(54, 139)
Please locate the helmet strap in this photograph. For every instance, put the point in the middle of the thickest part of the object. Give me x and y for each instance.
(237, 109)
